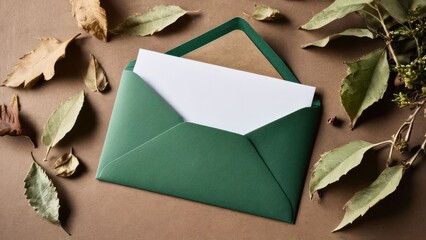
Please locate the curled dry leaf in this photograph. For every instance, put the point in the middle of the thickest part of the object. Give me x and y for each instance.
(41, 193)
(264, 13)
(95, 78)
(91, 17)
(66, 165)
(9, 119)
(147, 23)
(61, 121)
(40, 61)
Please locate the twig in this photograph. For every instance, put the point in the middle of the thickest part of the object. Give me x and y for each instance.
(406, 126)
(419, 53)
(388, 37)
(372, 15)
(413, 158)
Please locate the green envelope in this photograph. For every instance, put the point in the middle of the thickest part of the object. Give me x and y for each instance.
(149, 146)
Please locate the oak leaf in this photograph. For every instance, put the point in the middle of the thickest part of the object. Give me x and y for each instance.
(91, 17)
(62, 121)
(39, 62)
(147, 23)
(66, 165)
(95, 78)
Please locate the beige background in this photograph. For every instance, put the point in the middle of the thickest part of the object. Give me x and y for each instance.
(96, 210)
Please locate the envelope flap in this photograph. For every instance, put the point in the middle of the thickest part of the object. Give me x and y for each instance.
(232, 25)
(285, 146)
(206, 165)
(139, 115)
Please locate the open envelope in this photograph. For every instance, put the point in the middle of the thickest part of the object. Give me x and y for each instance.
(150, 146)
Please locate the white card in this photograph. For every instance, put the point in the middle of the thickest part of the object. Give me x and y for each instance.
(220, 97)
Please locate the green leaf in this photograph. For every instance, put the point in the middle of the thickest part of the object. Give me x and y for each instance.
(396, 8)
(363, 200)
(355, 32)
(41, 194)
(62, 121)
(365, 83)
(336, 163)
(399, 9)
(264, 13)
(336, 10)
(373, 23)
(147, 23)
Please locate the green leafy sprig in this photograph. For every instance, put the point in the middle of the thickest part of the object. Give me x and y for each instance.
(401, 24)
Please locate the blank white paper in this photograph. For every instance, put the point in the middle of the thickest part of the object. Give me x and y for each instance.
(220, 97)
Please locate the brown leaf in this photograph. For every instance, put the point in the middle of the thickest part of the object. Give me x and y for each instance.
(91, 17)
(95, 78)
(9, 119)
(40, 61)
(66, 165)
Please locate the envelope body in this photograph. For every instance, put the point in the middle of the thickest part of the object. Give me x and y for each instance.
(151, 147)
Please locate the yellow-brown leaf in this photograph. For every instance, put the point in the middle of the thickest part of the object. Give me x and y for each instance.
(66, 165)
(91, 17)
(95, 78)
(37, 63)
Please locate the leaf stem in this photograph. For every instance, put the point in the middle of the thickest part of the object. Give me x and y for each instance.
(413, 158)
(406, 126)
(47, 153)
(384, 142)
(194, 11)
(419, 52)
(32, 155)
(388, 37)
(372, 15)
(62, 226)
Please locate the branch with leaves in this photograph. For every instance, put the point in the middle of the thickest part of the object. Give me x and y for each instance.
(401, 25)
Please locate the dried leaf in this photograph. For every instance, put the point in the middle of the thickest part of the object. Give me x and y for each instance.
(61, 121)
(41, 194)
(66, 165)
(91, 17)
(9, 119)
(365, 84)
(40, 61)
(147, 23)
(336, 163)
(363, 200)
(95, 78)
(355, 32)
(264, 13)
(336, 10)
